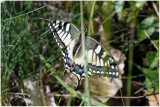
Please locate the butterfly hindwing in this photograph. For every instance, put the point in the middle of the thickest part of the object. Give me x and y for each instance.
(100, 62)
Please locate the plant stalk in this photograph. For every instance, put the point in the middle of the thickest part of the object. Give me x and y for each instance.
(130, 64)
(86, 89)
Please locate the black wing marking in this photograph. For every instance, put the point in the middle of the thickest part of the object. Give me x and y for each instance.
(100, 61)
(63, 32)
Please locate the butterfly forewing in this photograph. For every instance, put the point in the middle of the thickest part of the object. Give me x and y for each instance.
(63, 32)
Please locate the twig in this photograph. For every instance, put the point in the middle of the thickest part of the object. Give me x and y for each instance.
(151, 40)
(125, 97)
(116, 38)
(146, 86)
(23, 94)
(155, 7)
(117, 97)
(67, 95)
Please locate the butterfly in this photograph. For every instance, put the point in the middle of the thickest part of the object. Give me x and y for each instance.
(68, 38)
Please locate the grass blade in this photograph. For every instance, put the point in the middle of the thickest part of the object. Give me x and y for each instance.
(86, 89)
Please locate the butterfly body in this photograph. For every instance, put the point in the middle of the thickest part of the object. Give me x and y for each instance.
(68, 38)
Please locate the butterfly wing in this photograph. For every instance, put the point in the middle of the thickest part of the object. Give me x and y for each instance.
(63, 32)
(100, 61)
(68, 38)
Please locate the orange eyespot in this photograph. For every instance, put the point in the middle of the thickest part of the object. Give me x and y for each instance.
(72, 65)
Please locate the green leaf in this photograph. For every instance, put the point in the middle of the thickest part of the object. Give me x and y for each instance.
(132, 4)
(152, 86)
(146, 25)
(152, 77)
(140, 3)
(151, 74)
(156, 42)
(152, 58)
(118, 5)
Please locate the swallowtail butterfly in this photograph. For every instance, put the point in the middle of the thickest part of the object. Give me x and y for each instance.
(68, 38)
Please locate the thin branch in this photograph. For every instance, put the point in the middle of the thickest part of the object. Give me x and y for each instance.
(117, 97)
(68, 95)
(114, 40)
(23, 94)
(125, 97)
(155, 7)
(151, 40)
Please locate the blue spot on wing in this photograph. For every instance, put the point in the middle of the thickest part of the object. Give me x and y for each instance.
(68, 62)
(76, 68)
(80, 71)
